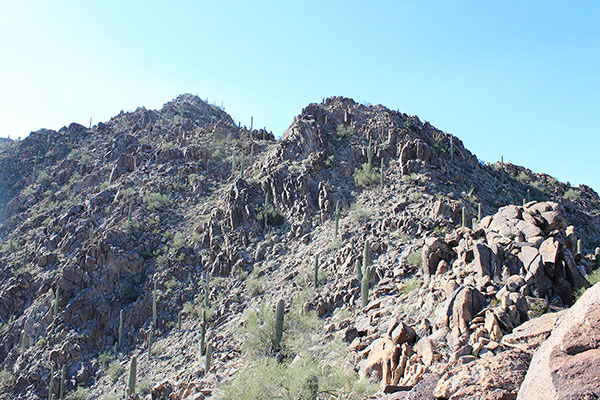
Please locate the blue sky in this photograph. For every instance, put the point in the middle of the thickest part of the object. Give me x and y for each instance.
(514, 78)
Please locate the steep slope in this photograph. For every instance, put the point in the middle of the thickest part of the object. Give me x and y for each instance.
(176, 200)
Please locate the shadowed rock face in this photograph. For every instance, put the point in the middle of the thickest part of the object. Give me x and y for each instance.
(567, 365)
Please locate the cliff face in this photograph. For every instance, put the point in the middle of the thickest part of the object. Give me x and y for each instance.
(216, 222)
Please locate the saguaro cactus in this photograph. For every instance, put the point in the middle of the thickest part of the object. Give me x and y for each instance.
(370, 154)
(265, 210)
(316, 270)
(150, 340)
(154, 307)
(56, 300)
(479, 212)
(381, 173)
(451, 149)
(129, 213)
(337, 218)
(121, 317)
(63, 378)
(359, 272)
(364, 290)
(208, 358)
(179, 321)
(367, 260)
(502, 168)
(203, 332)
(132, 376)
(579, 247)
(278, 325)
(464, 218)
(51, 388)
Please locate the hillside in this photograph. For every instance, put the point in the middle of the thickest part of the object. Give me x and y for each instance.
(429, 263)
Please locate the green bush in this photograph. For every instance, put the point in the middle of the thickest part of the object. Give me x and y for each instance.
(592, 278)
(79, 394)
(7, 379)
(572, 194)
(523, 177)
(306, 378)
(115, 370)
(342, 132)
(274, 215)
(411, 285)
(366, 176)
(104, 359)
(416, 258)
(155, 201)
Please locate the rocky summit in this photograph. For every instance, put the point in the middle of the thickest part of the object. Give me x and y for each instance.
(174, 254)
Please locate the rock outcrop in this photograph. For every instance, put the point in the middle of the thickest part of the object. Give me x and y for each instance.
(566, 365)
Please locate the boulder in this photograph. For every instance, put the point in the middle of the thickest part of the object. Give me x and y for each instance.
(530, 335)
(566, 365)
(492, 378)
(435, 250)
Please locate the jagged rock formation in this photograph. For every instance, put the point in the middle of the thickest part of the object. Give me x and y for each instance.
(222, 219)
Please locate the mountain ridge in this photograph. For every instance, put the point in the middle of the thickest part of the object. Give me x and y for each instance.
(168, 197)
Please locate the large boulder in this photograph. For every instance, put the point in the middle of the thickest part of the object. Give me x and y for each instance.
(434, 251)
(492, 378)
(567, 365)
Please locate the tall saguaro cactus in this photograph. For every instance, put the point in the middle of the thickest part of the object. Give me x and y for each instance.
(63, 378)
(364, 290)
(208, 358)
(502, 168)
(121, 317)
(316, 271)
(337, 218)
(51, 388)
(203, 332)
(154, 307)
(56, 300)
(278, 334)
(132, 376)
(367, 260)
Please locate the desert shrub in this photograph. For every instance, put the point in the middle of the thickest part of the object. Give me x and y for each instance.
(104, 359)
(416, 258)
(7, 378)
(255, 285)
(173, 284)
(43, 178)
(115, 370)
(308, 378)
(366, 176)
(592, 278)
(155, 200)
(178, 242)
(343, 132)
(79, 394)
(411, 285)
(358, 214)
(572, 194)
(274, 215)
(523, 177)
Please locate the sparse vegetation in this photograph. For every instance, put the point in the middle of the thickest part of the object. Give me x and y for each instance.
(7, 378)
(115, 370)
(154, 201)
(572, 194)
(366, 176)
(79, 394)
(416, 258)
